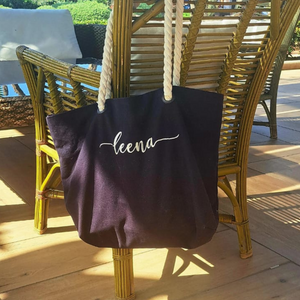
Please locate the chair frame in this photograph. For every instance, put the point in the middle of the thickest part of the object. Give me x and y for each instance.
(241, 99)
(271, 86)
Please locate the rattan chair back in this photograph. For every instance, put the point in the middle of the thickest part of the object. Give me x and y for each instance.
(268, 98)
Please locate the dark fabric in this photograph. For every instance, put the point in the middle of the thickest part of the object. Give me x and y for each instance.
(122, 195)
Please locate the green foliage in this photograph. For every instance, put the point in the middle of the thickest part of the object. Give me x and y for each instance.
(144, 6)
(82, 11)
(46, 7)
(99, 1)
(186, 15)
(57, 3)
(295, 42)
(30, 4)
(85, 12)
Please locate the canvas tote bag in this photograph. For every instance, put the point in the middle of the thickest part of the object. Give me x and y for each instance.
(141, 171)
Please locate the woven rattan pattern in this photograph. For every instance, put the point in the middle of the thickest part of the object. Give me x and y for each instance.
(91, 40)
(16, 112)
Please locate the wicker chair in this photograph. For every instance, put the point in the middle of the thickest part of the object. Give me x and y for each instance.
(90, 38)
(17, 111)
(271, 85)
(231, 54)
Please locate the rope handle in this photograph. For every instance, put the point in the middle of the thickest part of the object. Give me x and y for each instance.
(105, 80)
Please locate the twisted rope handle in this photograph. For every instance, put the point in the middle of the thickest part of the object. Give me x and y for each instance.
(105, 80)
(178, 42)
(168, 43)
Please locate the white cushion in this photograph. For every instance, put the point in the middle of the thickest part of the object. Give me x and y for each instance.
(48, 31)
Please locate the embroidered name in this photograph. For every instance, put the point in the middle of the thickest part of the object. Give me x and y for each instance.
(138, 146)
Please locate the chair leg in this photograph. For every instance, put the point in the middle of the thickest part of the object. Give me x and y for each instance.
(273, 117)
(239, 219)
(41, 213)
(243, 229)
(123, 267)
(41, 202)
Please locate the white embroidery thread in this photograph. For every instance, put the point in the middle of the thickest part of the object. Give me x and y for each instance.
(138, 146)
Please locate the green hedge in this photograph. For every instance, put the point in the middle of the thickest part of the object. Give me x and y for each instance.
(84, 12)
(32, 4)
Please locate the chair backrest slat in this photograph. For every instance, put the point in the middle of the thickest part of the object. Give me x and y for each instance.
(191, 40)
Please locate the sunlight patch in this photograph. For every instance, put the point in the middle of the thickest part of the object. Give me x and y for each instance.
(283, 207)
(188, 268)
(8, 196)
(7, 133)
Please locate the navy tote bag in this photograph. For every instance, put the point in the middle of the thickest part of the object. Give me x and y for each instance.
(143, 171)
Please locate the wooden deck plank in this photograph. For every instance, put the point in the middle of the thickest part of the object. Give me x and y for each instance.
(90, 284)
(277, 164)
(25, 135)
(282, 282)
(28, 141)
(275, 221)
(40, 257)
(16, 222)
(284, 134)
(260, 183)
(159, 274)
(16, 132)
(18, 168)
(284, 169)
(45, 257)
(258, 138)
(272, 149)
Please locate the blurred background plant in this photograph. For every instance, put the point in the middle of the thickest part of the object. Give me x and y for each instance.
(97, 12)
(19, 4)
(82, 11)
(294, 47)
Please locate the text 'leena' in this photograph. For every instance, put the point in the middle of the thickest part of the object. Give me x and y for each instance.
(138, 146)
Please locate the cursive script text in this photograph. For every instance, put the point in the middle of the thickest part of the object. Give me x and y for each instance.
(132, 147)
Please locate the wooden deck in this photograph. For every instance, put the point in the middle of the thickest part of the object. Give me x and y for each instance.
(57, 265)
